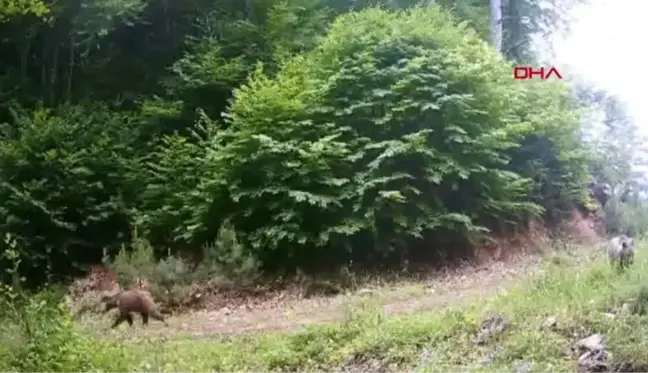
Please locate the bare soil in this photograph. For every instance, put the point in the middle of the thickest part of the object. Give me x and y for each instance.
(448, 287)
(512, 259)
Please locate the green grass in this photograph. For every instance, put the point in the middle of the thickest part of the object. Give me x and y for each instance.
(577, 294)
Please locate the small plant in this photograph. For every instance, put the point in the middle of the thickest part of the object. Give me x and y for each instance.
(228, 258)
(130, 265)
(169, 279)
(37, 330)
(39, 336)
(172, 279)
(639, 304)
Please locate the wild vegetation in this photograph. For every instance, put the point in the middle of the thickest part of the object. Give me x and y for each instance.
(320, 135)
(239, 142)
(575, 296)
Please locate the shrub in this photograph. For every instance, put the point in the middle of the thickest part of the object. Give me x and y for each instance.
(168, 278)
(398, 126)
(65, 185)
(228, 258)
(37, 335)
(172, 279)
(165, 207)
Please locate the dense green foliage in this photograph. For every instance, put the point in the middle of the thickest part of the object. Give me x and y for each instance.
(321, 132)
(383, 132)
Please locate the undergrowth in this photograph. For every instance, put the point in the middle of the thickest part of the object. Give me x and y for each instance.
(577, 293)
(172, 279)
(178, 283)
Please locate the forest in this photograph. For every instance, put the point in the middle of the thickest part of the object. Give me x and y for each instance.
(274, 136)
(191, 147)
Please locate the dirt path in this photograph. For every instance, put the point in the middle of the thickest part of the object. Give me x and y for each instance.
(279, 316)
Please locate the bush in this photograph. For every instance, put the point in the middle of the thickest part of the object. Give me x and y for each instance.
(399, 130)
(399, 126)
(168, 279)
(228, 258)
(66, 185)
(172, 279)
(38, 336)
(165, 207)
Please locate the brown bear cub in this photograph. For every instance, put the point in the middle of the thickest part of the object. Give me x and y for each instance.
(132, 301)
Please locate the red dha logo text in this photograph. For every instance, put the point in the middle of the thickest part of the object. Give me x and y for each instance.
(527, 73)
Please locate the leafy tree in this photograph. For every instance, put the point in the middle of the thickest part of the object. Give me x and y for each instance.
(397, 128)
(65, 185)
(13, 8)
(619, 156)
(553, 156)
(522, 22)
(320, 130)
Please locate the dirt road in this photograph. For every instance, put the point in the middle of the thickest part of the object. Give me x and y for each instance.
(283, 316)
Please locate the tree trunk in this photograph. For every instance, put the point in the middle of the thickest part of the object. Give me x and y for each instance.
(496, 23)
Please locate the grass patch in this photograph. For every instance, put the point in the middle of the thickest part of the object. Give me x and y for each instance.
(578, 295)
